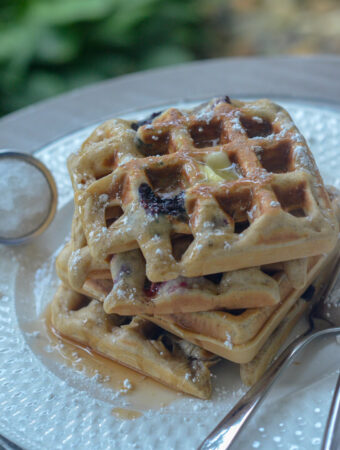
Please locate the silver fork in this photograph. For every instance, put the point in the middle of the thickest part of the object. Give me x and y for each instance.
(224, 435)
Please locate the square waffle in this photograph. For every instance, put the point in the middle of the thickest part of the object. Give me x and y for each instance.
(124, 288)
(238, 343)
(252, 371)
(236, 177)
(133, 342)
(110, 145)
(235, 335)
(239, 338)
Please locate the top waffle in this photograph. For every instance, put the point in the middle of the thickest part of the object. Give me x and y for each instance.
(237, 177)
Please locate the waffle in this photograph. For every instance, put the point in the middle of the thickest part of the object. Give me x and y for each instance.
(223, 343)
(77, 258)
(133, 342)
(132, 293)
(236, 177)
(232, 327)
(109, 146)
(252, 371)
(236, 335)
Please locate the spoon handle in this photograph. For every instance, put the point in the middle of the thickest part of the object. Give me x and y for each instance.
(222, 437)
(331, 437)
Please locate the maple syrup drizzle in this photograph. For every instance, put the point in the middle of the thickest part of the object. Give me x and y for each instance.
(125, 414)
(139, 391)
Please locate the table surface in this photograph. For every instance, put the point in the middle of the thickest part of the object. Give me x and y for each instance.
(311, 78)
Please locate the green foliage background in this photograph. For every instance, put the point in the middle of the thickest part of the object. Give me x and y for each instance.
(50, 46)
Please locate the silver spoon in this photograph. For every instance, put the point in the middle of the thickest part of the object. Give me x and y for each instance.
(324, 320)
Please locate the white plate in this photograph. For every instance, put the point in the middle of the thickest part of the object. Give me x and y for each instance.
(45, 404)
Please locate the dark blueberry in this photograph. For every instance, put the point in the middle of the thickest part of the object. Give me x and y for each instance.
(150, 202)
(151, 289)
(308, 294)
(148, 120)
(154, 204)
(214, 277)
(174, 206)
(227, 99)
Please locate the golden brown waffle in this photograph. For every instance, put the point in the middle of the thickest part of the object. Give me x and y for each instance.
(231, 334)
(233, 327)
(237, 177)
(261, 326)
(125, 289)
(110, 145)
(132, 293)
(240, 326)
(133, 342)
(252, 371)
(79, 261)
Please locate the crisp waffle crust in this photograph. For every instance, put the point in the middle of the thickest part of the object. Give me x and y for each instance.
(236, 178)
(134, 342)
(244, 334)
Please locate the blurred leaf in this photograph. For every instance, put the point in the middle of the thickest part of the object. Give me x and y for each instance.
(120, 27)
(57, 46)
(42, 84)
(166, 55)
(61, 12)
(16, 39)
(81, 77)
(49, 46)
(37, 86)
(112, 63)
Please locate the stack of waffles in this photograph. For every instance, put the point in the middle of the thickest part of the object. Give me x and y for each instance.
(194, 236)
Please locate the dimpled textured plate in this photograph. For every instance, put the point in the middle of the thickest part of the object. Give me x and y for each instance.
(44, 404)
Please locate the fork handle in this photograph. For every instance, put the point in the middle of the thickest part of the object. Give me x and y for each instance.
(223, 436)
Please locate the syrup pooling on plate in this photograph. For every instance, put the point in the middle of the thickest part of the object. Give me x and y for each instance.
(122, 386)
(134, 342)
(125, 414)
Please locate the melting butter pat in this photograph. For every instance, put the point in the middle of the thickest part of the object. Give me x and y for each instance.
(218, 167)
